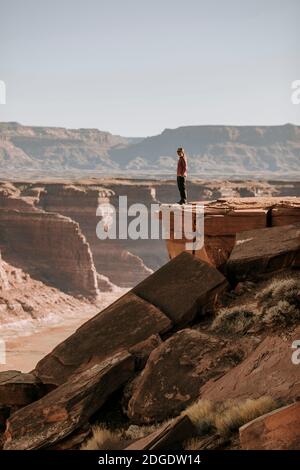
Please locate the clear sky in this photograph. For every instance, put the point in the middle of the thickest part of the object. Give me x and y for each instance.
(135, 67)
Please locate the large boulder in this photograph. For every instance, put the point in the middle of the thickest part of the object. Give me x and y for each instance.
(75, 440)
(268, 370)
(264, 251)
(125, 323)
(68, 407)
(278, 430)
(182, 287)
(19, 389)
(174, 374)
(228, 222)
(142, 350)
(225, 217)
(170, 436)
(285, 214)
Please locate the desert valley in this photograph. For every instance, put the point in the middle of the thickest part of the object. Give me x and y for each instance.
(95, 329)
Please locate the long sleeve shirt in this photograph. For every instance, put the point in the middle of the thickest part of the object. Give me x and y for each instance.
(182, 167)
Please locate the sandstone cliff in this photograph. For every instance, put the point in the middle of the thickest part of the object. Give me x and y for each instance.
(116, 259)
(25, 298)
(50, 247)
(126, 262)
(226, 217)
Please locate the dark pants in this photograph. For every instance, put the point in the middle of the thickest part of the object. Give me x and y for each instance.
(182, 189)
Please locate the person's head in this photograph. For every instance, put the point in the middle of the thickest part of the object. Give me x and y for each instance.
(180, 152)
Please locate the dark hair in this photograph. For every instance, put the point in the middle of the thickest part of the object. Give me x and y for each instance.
(180, 149)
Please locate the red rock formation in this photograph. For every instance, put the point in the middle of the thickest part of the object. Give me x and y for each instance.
(174, 373)
(177, 368)
(65, 409)
(278, 430)
(224, 218)
(150, 308)
(3, 276)
(122, 325)
(182, 288)
(127, 262)
(169, 436)
(17, 389)
(24, 298)
(142, 350)
(257, 252)
(268, 370)
(111, 257)
(52, 246)
(11, 199)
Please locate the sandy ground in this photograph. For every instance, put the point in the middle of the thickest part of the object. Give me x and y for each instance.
(25, 346)
(23, 352)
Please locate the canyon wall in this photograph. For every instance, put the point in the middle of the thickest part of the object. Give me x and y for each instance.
(26, 298)
(50, 247)
(126, 262)
(115, 259)
(3, 276)
(123, 262)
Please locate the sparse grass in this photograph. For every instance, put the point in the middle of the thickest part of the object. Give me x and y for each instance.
(282, 313)
(210, 442)
(201, 413)
(279, 301)
(277, 304)
(233, 320)
(103, 439)
(216, 421)
(226, 418)
(193, 444)
(236, 415)
(279, 289)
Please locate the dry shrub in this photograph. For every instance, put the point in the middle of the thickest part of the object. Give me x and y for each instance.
(206, 443)
(277, 304)
(193, 444)
(280, 301)
(227, 417)
(279, 289)
(233, 320)
(236, 415)
(201, 413)
(103, 439)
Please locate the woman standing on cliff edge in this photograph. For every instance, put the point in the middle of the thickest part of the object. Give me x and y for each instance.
(181, 175)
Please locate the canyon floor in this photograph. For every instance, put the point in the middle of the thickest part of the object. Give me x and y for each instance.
(27, 341)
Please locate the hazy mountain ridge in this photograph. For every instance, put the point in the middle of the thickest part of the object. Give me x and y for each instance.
(212, 150)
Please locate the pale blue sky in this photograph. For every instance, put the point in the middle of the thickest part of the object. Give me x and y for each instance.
(135, 67)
